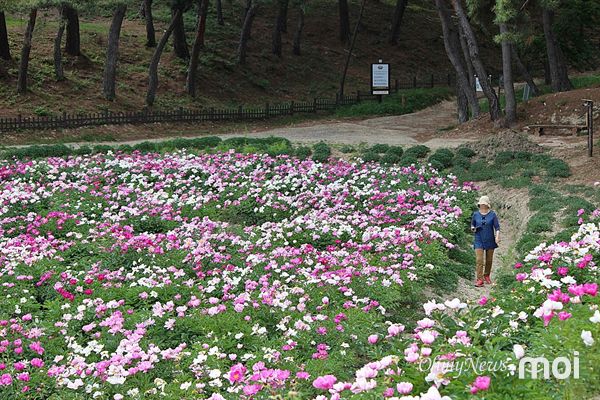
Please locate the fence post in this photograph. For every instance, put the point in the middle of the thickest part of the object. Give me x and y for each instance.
(414, 82)
(396, 85)
(240, 113)
(590, 126)
(292, 108)
(358, 96)
(267, 111)
(314, 104)
(432, 81)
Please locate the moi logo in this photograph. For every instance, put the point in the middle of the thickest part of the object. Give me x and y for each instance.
(562, 367)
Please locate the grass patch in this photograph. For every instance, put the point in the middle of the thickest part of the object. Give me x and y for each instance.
(403, 102)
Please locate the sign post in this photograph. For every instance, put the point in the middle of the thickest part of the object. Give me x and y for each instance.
(380, 79)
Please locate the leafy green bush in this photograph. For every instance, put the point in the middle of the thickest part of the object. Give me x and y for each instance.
(461, 161)
(465, 152)
(418, 151)
(397, 150)
(390, 158)
(370, 156)
(346, 149)
(303, 152)
(408, 159)
(441, 159)
(380, 148)
(321, 152)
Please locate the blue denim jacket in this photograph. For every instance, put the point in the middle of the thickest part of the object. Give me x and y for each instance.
(485, 227)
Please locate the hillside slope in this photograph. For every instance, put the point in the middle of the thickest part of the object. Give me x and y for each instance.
(420, 52)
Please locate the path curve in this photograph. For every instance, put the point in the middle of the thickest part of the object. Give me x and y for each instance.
(421, 127)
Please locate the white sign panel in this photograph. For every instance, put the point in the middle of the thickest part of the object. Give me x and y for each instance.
(380, 78)
(478, 85)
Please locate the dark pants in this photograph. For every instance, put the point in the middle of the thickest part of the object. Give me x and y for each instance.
(484, 268)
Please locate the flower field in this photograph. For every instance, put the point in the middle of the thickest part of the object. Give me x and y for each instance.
(238, 276)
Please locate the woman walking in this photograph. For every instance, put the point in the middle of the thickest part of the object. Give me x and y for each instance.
(486, 229)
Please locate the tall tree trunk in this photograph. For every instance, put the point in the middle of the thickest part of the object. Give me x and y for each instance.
(179, 41)
(153, 69)
(344, 20)
(397, 20)
(73, 41)
(284, 18)
(453, 49)
(279, 26)
(298, 34)
(150, 31)
(25, 51)
(112, 52)
(354, 35)
(462, 104)
(524, 71)
(220, 20)
(4, 44)
(466, 56)
(476, 60)
(245, 35)
(58, 67)
(190, 84)
(510, 114)
(559, 79)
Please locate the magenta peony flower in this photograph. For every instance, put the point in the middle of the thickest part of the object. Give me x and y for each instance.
(236, 373)
(480, 383)
(373, 339)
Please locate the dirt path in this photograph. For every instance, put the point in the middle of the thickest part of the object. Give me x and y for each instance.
(422, 127)
(408, 129)
(513, 213)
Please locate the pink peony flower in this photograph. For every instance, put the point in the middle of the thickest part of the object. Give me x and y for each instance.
(5, 379)
(483, 301)
(236, 373)
(325, 382)
(373, 339)
(404, 387)
(480, 383)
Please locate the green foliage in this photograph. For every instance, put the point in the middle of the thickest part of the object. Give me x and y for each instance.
(380, 148)
(321, 152)
(370, 156)
(417, 151)
(390, 158)
(404, 102)
(303, 152)
(558, 168)
(465, 152)
(441, 159)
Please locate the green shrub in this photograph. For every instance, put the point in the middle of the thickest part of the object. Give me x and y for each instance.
(390, 158)
(321, 152)
(397, 150)
(504, 157)
(279, 148)
(465, 152)
(558, 168)
(146, 147)
(303, 152)
(418, 151)
(380, 148)
(408, 159)
(370, 156)
(346, 149)
(461, 161)
(441, 159)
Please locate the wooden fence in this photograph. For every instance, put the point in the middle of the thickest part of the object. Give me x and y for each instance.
(67, 120)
